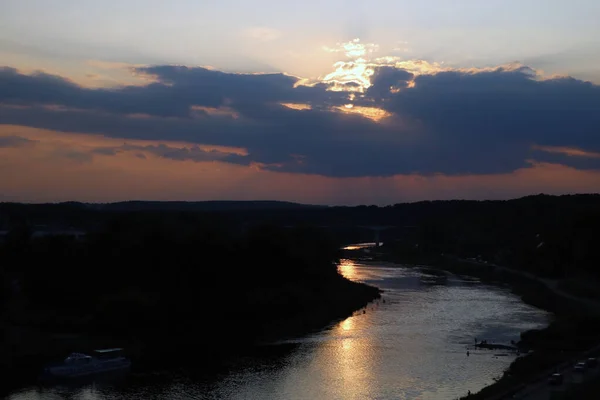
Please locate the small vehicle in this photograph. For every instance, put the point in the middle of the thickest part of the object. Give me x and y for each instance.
(580, 367)
(591, 362)
(556, 379)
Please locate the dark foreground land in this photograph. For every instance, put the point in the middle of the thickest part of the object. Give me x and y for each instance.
(175, 290)
(174, 282)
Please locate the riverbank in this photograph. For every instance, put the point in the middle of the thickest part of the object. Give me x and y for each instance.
(174, 290)
(316, 304)
(211, 347)
(575, 328)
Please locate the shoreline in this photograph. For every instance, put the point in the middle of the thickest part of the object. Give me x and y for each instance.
(552, 346)
(520, 371)
(24, 350)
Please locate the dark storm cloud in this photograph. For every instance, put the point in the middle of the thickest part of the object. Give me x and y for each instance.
(504, 109)
(177, 89)
(386, 78)
(332, 144)
(452, 122)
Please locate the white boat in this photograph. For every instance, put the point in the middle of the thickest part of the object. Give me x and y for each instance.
(79, 365)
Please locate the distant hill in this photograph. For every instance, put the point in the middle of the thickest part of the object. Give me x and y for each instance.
(92, 215)
(531, 212)
(201, 206)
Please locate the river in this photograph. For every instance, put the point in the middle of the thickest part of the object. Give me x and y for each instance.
(410, 345)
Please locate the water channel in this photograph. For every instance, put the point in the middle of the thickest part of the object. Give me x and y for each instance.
(410, 345)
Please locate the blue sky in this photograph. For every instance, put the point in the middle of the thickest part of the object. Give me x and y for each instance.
(364, 102)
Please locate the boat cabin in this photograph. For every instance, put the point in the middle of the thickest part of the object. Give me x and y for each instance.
(108, 353)
(78, 358)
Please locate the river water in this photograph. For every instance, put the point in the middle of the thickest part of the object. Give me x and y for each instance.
(410, 345)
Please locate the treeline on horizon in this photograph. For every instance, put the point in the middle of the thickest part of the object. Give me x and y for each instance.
(258, 245)
(93, 215)
(551, 236)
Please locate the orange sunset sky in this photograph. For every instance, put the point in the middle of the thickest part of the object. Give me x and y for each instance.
(103, 102)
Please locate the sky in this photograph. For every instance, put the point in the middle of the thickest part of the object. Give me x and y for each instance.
(322, 102)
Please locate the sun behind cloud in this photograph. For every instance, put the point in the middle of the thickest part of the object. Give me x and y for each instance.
(351, 75)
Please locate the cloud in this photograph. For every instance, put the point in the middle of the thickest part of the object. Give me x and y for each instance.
(131, 174)
(388, 80)
(353, 49)
(576, 157)
(411, 117)
(14, 141)
(568, 151)
(177, 153)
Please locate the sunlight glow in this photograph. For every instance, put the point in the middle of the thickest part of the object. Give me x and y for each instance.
(568, 151)
(306, 82)
(353, 48)
(372, 113)
(201, 111)
(297, 106)
(353, 75)
(422, 67)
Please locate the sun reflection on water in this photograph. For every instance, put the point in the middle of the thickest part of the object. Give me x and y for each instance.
(348, 270)
(347, 324)
(351, 360)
